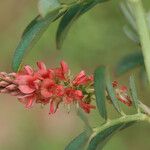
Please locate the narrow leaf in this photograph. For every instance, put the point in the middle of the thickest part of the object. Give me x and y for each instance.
(101, 138)
(100, 87)
(71, 16)
(134, 92)
(129, 62)
(78, 143)
(32, 33)
(112, 95)
(65, 23)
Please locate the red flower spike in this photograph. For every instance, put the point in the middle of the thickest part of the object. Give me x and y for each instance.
(47, 86)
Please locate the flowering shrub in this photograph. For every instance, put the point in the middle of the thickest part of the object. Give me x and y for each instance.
(55, 86)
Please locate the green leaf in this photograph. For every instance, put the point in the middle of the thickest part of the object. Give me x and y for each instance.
(31, 35)
(65, 23)
(78, 143)
(71, 16)
(112, 94)
(103, 136)
(134, 92)
(129, 62)
(46, 6)
(100, 87)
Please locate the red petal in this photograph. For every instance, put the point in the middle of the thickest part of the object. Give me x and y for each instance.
(28, 70)
(64, 67)
(86, 107)
(79, 78)
(24, 79)
(30, 102)
(46, 94)
(78, 95)
(26, 89)
(52, 109)
(41, 65)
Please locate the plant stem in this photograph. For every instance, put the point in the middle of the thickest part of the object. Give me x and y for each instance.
(125, 119)
(143, 31)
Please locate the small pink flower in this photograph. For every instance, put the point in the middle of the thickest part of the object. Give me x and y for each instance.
(82, 79)
(62, 72)
(43, 72)
(54, 104)
(122, 94)
(47, 88)
(27, 81)
(71, 95)
(28, 100)
(86, 107)
(59, 90)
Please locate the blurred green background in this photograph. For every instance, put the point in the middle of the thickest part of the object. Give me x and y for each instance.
(96, 38)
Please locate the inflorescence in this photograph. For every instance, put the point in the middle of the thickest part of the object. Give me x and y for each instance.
(55, 86)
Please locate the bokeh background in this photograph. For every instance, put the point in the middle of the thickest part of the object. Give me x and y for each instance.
(96, 38)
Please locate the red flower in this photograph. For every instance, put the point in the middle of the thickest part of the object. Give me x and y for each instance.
(86, 107)
(27, 81)
(43, 72)
(47, 88)
(72, 95)
(27, 100)
(122, 94)
(82, 79)
(62, 72)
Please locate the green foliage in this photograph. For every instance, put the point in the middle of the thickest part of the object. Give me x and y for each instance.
(50, 10)
(78, 143)
(74, 12)
(31, 35)
(134, 92)
(99, 136)
(100, 86)
(66, 22)
(112, 95)
(102, 137)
